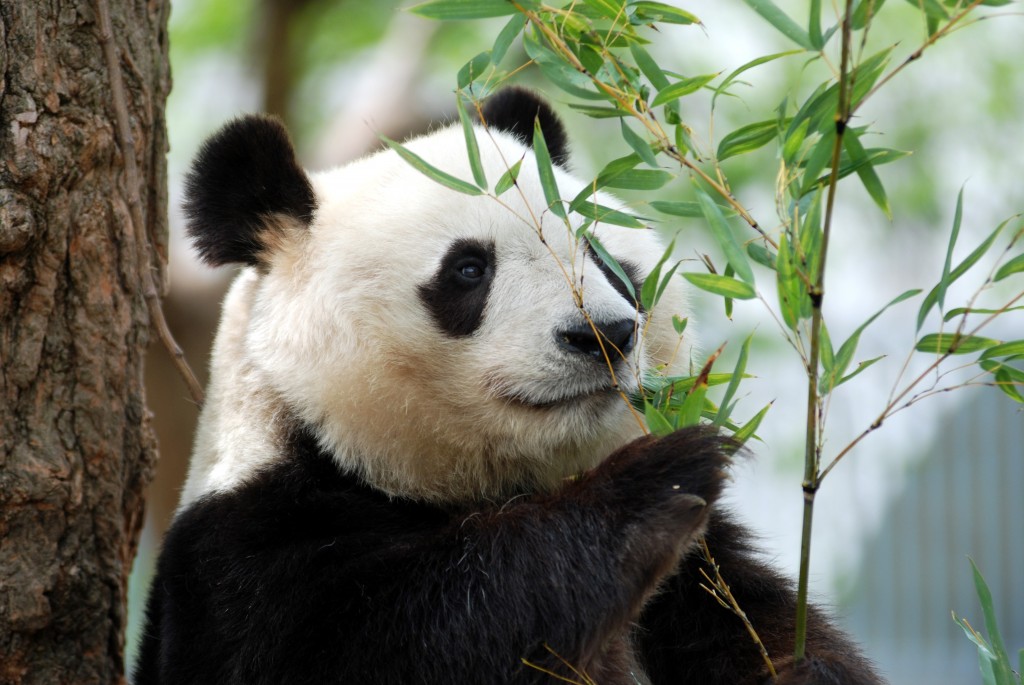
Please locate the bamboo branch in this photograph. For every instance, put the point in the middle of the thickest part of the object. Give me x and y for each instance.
(812, 446)
(137, 224)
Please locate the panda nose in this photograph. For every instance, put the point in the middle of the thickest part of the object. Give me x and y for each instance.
(618, 335)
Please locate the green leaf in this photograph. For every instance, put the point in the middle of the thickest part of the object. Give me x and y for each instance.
(940, 294)
(762, 255)
(860, 367)
(607, 215)
(747, 431)
(793, 298)
(956, 273)
(682, 87)
(1014, 266)
(472, 149)
(472, 70)
(546, 171)
(463, 9)
(866, 172)
(639, 145)
(827, 352)
(639, 179)
(722, 285)
(646, 12)
(952, 343)
(690, 411)
(679, 324)
(431, 171)
(560, 73)
(814, 26)
(1009, 385)
(819, 157)
(610, 262)
(953, 313)
(725, 409)
(781, 21)
(724, 235)
(748, 138)
(649, 290)
(610, 9)
(844, 356)
(656, 420)
(508, 179)
(794, 141)
(597, 112)
(1001, 664)
(690, 210)
(749, 65)
(863, 12)
(1005, 350)
(508, 34)
(648, 66)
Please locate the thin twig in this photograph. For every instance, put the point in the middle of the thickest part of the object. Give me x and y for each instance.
(720, 590)
(137, 224)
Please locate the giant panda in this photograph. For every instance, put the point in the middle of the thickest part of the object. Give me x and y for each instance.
(417, 462)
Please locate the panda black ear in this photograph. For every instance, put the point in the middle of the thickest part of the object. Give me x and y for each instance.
(515, 109)
(243, 181)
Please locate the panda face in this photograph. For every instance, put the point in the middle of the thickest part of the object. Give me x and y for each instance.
(444, 346)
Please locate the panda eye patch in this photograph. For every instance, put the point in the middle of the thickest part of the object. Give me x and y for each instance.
(456, 295)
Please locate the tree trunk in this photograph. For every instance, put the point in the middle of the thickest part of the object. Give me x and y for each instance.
(76, 449)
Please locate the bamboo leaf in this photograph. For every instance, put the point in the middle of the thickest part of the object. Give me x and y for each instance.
(546, 172)
(953, 313)
(607, 215)
(639, 179)
(789, 286)
(1014, 266)
(648, 66)
(649, 290)
(866, 172)
(748, 138)
(819, 157)
(656, 420)
(508, 179)
(464, 9)
(472, 70)
(690, 411)
(682, 87)
(952, 343)
(472, 149)
(431, 171)
(814, 26)
(762, 255)
(691, 210)
(932, 297)
(1005, 350)
(639, 145)
(679, 324)
(747, 431)
(1001, 664)
(508, 34)
(609, 261)
(722, 285)
(597, 112)
(726, 407)
(647, 12)
(749, 65)
(940, 295)
(781, 21)
(724, 235)
(860, 367)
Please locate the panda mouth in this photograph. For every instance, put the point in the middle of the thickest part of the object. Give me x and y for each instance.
(603, 393)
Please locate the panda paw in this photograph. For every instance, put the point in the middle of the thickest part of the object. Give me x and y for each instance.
(657, 492)
(652, 471)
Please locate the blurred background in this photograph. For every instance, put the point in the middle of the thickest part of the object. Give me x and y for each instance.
(896, 521)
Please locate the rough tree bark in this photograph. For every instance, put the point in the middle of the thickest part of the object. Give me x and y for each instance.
(76, 449)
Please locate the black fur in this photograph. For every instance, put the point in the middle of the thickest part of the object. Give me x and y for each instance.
(242, 176)
(306, 575)
(515, 110)
(455, 302)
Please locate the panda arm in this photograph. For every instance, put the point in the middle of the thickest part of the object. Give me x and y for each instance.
(687, 637)
(291, 584)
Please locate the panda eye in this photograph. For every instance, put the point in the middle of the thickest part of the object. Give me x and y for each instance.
(470, 270)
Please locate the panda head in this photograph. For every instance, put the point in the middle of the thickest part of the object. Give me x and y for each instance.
(441, 346)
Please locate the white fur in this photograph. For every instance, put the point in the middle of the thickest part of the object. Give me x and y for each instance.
(335, 334)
